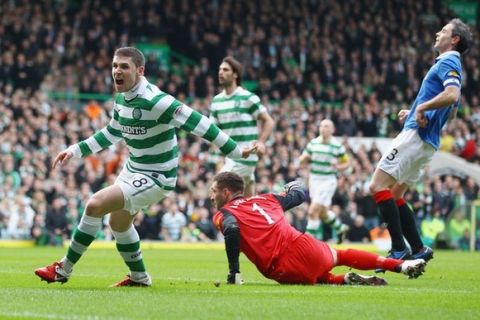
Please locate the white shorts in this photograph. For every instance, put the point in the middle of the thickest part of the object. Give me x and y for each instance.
(407, 157)
(246, 172)
(322, 189)
(139, 190)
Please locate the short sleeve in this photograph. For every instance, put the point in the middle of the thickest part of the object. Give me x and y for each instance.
(256, 107)
(450, 73)
(218, 220)
(308, 149)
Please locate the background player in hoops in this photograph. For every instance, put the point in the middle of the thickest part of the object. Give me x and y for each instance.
(257, 227)
(242, 116)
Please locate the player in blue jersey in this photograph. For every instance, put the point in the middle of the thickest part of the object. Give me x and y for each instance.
(401, 166)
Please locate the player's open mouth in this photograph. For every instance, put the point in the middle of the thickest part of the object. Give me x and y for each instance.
(118, 81)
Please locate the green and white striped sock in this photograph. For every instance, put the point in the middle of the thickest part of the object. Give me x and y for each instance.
(128, 245)
(333, 221)
(83, 235)
(314, 228)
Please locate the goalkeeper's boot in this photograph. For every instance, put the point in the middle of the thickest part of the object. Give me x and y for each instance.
(128, 281)
(53, 273)
(413, 268)
(353, 278)
(399, 255)
(426, 253)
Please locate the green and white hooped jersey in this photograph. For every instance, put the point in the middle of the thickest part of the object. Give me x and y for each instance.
(237, 115)
(323, 155)
(146, 118)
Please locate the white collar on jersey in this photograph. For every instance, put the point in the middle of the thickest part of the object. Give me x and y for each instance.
(237, 90)
(447, 53)
(139, 88)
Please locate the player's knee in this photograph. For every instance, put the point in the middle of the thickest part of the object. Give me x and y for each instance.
(94, 207)
(313, 211)
(317, 209)
(373, 188)
(118, 225)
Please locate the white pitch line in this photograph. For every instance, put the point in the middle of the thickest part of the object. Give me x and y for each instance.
(28, 314)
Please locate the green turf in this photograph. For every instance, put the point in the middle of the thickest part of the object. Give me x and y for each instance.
(184, 289)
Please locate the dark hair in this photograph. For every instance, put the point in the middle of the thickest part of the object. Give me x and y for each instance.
(461, 30)
(236, 67)
(131, 52)
(229, 180)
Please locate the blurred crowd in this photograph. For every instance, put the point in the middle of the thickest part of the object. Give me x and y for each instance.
(355, 62)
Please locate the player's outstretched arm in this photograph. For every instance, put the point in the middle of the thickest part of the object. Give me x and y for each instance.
(192, 121)
(62, 158)
(294, 195)
(102, 139)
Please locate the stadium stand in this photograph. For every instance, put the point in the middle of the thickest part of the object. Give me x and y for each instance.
(356, 62)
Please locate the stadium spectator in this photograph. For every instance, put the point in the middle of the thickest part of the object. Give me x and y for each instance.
(205, 223)
(432, 228)
(317, 87)
(173, 222)
(191, 233)
(458, 230)
(56, 222)
(358, 232)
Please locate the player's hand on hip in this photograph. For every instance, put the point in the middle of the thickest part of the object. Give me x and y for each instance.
(421, 119)
(62, 158)
(249, 150)
(235, 278)
(403, 114)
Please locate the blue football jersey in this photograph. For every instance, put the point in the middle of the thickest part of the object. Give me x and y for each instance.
(447, 71)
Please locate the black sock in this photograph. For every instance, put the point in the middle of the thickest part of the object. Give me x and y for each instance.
(409, 227)
(391, 215)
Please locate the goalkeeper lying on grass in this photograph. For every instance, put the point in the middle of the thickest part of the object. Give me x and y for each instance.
(257, 227)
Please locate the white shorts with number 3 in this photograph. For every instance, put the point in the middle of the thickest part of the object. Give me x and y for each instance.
(139, 190)
(407, 157)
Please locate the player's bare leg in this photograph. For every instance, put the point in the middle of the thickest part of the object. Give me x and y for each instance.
(128, 245)
(104, 201)
(249, 189)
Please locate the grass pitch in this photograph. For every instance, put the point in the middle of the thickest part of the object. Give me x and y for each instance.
(184, 288)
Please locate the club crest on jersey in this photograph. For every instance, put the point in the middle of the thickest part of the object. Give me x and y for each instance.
(137, 113)
(237, 104)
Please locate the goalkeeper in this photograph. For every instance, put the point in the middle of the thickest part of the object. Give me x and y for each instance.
(256, 226)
